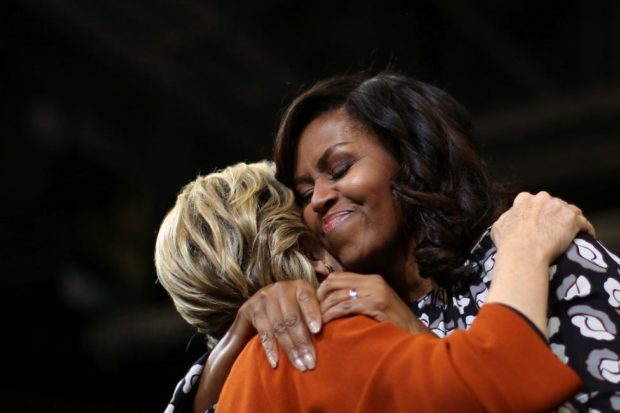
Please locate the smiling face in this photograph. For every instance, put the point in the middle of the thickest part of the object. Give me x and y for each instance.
(343, 177)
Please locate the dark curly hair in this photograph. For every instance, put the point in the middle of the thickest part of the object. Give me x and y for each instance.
(443, 186)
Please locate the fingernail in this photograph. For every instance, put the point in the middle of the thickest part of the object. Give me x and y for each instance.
(310, 363)
(297, 361)
(315, 327)
(272, 361)
(299, 364)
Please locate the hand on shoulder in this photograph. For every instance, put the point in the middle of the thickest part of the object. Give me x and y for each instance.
(540, 226)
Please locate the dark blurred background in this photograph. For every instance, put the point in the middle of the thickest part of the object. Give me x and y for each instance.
(109, 107)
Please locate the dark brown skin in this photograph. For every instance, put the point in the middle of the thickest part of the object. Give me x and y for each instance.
(220, 362)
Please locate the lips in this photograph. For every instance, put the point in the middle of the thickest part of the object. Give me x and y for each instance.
(331, 221)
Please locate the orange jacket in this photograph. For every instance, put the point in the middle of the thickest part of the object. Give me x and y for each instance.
(500, 365)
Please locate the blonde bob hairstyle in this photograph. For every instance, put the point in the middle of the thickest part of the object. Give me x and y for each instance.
(229, 234)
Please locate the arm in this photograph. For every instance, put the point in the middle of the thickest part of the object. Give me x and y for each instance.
(529, 237)
(282, 312)
(199, 389)
(219, 363)
(368, 366)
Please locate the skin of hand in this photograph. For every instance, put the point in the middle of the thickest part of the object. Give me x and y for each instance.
(286, 312)
(540, 220)
(529, 237)
(375, 299)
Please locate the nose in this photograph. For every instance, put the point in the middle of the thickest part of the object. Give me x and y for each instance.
(324, 196)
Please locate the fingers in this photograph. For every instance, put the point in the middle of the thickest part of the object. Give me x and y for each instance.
(582, 222)
(585, 225)
(522, 197)
(345, 307)
(310, 309)
(264, 329)
(292, 333)
(277, 317)
(541, 223)
(339, 281)
(573, 214)
(589, 228)
(575, 209)
(262, 319)
(338, 297)
(287, 321)
(344, 294)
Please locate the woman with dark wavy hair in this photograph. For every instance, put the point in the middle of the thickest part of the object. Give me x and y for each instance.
(389, 179)
(442, 185)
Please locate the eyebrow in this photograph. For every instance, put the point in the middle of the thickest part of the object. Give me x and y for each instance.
(322, 162)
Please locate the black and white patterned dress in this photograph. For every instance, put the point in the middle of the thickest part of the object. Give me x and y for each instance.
(584, 321)
(584, 316)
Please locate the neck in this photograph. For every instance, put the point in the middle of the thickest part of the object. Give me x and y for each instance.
(406, 280)
(415, 284)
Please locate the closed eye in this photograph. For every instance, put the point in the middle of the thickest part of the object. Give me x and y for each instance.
(304, 190)
(340, 170)
(304, 198)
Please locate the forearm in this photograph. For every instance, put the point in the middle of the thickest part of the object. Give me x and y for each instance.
(499, 365)
(521, 281)
(218, 365)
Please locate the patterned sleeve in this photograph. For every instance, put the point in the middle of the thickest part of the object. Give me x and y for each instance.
(184, 392)
(584, 321)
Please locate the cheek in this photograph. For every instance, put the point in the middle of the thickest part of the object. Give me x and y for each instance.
(377, 193)
(309, 217)
(388, 213)
(363, 188)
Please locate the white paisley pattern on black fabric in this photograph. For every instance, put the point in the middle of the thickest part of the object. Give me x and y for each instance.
(584, 316)
(183, 396)
(584, 320)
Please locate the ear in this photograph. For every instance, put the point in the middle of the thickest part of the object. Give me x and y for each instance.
(322, 261)
(321, 268)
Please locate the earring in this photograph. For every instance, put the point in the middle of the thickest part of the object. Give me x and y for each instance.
(329, 268)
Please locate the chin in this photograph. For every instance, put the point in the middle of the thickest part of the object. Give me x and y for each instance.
(355, 264)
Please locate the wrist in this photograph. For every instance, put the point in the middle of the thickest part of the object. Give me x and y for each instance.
(522, 254)
(241, 327)
(521, 281)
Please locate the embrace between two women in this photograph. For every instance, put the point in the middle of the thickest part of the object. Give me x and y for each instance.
(392, 204)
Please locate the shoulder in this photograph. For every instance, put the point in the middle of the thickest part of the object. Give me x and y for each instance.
(587, 268)
(588, 253)
(345, 334)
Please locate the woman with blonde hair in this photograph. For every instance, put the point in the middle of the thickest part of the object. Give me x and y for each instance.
(235, 232)
(229, 234)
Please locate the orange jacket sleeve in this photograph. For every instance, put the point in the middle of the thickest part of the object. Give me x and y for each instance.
(500, 365)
